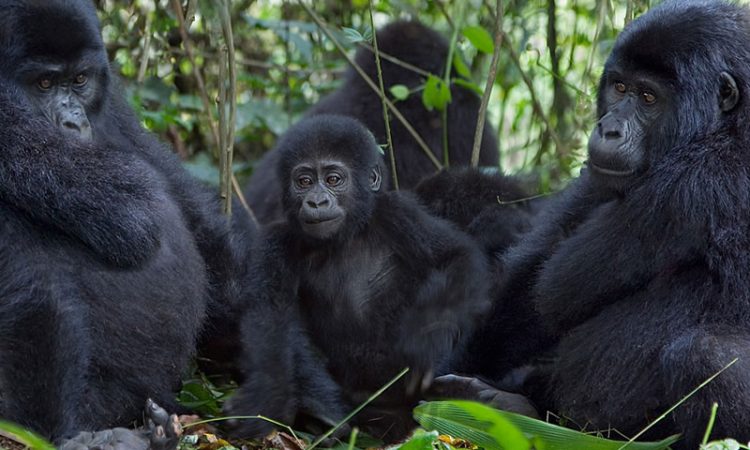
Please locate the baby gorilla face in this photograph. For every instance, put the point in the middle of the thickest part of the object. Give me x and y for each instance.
(319, 187)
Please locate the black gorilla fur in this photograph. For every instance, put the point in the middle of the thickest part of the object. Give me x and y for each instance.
(641, 270)
(423, 47)
(490, 207)
(110, 250)
(471, 199)
(331, 319)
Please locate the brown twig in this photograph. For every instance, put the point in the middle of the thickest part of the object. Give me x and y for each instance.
(188, 45)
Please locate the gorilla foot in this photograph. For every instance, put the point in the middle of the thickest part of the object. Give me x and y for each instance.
(468, 388)
(162, 431)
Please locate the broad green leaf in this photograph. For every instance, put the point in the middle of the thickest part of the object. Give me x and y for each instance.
(25, 437)
(461, 68)
(473, 422)
(436, 94)
(399, 91)
(499, 430)
(479, 38)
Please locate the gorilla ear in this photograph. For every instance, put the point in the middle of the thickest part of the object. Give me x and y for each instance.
(375, 179)
(729, 94)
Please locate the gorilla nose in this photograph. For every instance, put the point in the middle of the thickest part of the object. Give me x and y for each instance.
(76, 124)
(318, 202)
(611, 129)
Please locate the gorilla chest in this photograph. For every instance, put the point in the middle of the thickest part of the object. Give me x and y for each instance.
(348, 284)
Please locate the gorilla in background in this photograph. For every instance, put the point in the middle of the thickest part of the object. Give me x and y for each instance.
(641, 270)
(471, 199)
(110, 250)
(419, 46)
(356, 285)
(490, 207)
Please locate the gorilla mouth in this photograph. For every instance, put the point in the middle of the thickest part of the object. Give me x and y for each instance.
(319, 220)
(611, 172)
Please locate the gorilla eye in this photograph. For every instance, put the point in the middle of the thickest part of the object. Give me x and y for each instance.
(44, 83)
(649, 98)
(620, 87)
(333, 180)
(80, 79)
(305, 181)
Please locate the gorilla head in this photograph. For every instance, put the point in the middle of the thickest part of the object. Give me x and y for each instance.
(674, 76)
(47, 49)
(329, 179)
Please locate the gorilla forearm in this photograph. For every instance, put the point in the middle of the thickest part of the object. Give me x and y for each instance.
(99, 195)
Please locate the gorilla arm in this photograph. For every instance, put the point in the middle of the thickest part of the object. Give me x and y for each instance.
(284, 375)
(454, 291)
(95, 193)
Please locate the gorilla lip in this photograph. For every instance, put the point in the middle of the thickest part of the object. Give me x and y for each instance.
(611, 172)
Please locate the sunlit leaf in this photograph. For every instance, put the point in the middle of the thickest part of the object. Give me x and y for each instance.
(479, 38)
(399, 91)
(461, 67)
(436, 94)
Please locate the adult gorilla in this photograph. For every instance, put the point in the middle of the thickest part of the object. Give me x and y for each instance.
(105, 239)
(420, 46)
(641, 271)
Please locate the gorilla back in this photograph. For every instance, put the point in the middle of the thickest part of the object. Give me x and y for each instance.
(641, 271)
(102, 285)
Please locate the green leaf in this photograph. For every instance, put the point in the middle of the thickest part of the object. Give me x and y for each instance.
(25, 437)
(468, 85)
(399, 91)
(461, 68)
(496, 430)
(352, 35)
(436, 94)
(478, 424)
(420, 440)
(479, 38)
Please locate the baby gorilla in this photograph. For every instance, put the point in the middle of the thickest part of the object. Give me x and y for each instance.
(354, 286)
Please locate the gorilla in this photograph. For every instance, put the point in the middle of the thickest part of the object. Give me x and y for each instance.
(491, 207)
(110, 251)
(420, 46)
(354, 286)
(640, 270)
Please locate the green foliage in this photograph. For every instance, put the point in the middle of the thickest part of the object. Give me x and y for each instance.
(25, 437)
(497, 430)
(541, 107)
(436, 94)
(480, 38)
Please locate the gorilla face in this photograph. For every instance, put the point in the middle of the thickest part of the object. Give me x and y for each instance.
(320, 186)
(61, 69)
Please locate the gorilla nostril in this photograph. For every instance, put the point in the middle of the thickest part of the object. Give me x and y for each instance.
(71, 125)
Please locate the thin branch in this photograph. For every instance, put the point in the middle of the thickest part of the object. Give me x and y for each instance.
(488, 86)
(386, 120)
(373, 86)
(396, 61)
(538, 110)
(227, 97)
(145, 49)
(447, 78)
(188, 44)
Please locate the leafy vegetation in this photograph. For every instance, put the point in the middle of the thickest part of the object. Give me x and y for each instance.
(541, 104)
